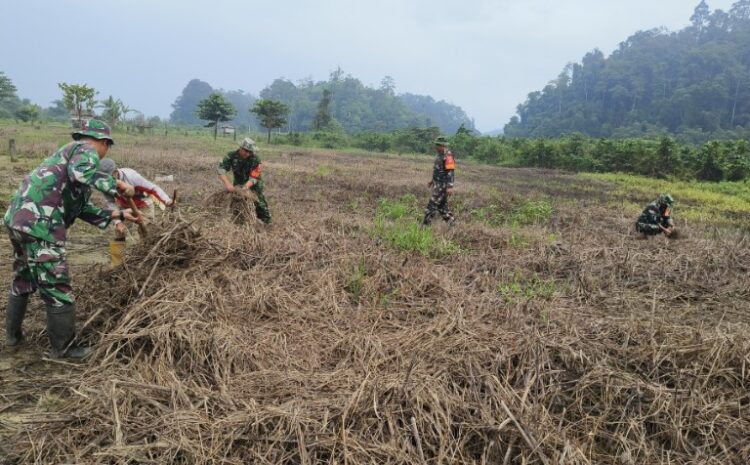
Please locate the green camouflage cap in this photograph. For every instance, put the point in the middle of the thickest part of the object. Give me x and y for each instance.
(248, 144)
(96, 129)
(441, 140)
(665, 199)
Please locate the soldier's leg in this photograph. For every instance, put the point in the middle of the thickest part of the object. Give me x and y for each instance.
(261, 206)
(432, 205)
(21, 288)
(49, 266)
(445, 211)
(647, 229)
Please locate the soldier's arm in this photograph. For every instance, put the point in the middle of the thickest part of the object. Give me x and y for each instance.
(148, 186)
(254, 175)
(224, 167)
(84, 168)
(96, 216)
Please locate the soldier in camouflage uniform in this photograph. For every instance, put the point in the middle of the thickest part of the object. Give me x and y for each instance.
(45, 205)
(441, 184)
(245, 166)
(656, 218)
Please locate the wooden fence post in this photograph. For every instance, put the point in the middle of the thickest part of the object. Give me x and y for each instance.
(12, 150)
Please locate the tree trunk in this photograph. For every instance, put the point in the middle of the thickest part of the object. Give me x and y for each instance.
(269, 135)
(734, 105)
(216, 128)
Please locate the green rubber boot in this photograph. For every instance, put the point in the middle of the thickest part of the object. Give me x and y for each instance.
(14, 318)
(61, 328)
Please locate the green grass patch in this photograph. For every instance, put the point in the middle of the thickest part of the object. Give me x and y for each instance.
(356, 281)
(528, 211)
(723, 202)
(519, 288)
(397, 222)
(322, 171)
(532, 212)
(396, 209)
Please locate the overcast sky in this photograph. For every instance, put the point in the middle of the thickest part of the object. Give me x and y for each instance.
(483, 55)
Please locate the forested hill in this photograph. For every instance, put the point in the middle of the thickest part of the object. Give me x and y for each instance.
(354, 106)
(694, 82)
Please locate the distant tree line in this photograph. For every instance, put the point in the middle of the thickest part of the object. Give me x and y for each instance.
(663, 157)
(340, 104)
(694, 83)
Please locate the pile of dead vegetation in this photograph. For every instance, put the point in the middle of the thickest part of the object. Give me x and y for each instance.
(238, 205)
(217, 347)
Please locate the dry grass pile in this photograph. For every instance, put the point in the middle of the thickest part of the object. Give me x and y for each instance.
(239, 204)
(322, 347)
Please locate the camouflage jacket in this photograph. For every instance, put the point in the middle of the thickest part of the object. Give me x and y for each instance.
(443, 171)
(242, 170)
(57, 192)
(653, 214)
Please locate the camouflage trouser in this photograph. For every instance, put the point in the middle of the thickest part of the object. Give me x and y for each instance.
(648, 229)
(438, 202)
(40, 265)
(261, 206)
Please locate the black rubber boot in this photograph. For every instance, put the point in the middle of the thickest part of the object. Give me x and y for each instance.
(14, 318)
(61, 328)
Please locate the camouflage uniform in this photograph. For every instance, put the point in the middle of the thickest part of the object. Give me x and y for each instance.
(243, 170)
(654, 215)
(47, 203)
(442, 179)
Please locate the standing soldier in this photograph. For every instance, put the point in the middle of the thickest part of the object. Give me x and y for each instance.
(45, 205)
(441, 184)
(656, 218)
(245, 165)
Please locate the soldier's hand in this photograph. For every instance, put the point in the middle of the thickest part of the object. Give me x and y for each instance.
(230, 188)
(125, 189)
(120, 228)
(430, 184)
(449, 191)
(132, 218)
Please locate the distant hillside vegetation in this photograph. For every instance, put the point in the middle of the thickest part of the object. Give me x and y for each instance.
(360, 108)
(694, 82)
(353, 106)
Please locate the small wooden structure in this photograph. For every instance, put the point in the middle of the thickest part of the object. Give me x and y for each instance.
(227, 130)
(143, 127)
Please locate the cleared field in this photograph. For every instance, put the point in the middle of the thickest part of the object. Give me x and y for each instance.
(537, 331)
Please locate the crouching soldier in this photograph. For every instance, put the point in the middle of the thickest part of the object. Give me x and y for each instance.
(45, 205)
(245, 166)
(146, 193)
(657, 218)
(441, 184)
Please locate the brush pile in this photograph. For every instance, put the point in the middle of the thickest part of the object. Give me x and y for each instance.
(321, 347)
(238, 204)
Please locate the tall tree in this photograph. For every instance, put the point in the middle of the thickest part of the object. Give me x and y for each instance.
(124, 110)
(112, 110)
(323, 116)
(701, 15)
(215, 109)
(77, 98)
(184, 108)
(28, 113)
(7, 89)
(271, 113)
